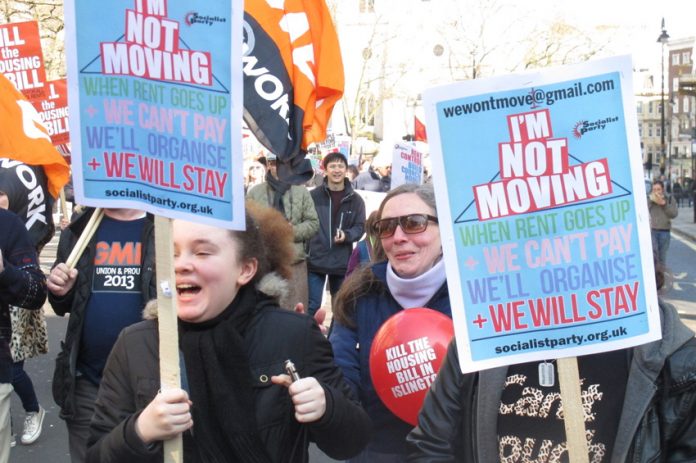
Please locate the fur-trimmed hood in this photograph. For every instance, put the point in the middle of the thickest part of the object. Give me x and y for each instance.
(272, 284)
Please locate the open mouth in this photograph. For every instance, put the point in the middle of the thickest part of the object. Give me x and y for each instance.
(186, 289)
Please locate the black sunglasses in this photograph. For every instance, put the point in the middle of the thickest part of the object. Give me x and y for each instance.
(410, 224)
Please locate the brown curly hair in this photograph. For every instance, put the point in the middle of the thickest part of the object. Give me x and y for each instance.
(268, 238)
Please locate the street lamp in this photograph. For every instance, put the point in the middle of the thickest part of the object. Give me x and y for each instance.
(670, 129)
(662, 39)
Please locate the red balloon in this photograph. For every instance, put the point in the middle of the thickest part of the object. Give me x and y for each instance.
(405, 357)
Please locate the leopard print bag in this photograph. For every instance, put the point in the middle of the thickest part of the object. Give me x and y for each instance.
(29, 333)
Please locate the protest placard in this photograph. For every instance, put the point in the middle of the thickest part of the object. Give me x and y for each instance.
(543, 214)
(343, 143)
(53, 111)
(407, 165)
(155, 100)
(156, 107)
(372, 200)
(21, 58)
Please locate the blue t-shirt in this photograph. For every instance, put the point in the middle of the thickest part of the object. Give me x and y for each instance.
(116, 300)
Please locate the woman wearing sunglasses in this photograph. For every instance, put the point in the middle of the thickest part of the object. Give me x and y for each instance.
(412, 276)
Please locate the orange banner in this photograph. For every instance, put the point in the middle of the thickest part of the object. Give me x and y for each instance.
(295, 46)
(327, 87)
(24, 138)
(21, 58)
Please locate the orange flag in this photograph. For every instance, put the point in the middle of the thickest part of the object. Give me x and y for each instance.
(419, 130)
(24, 138)
(293, 77)
(328, 73)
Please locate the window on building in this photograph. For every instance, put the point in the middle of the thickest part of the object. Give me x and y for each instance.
(686, 57)
(675, 84)
(650, 130)
(675, 105)
(675, 59)
(686, 104)
(650, 107)
(367, 6)
(658, 131)
(639, 108)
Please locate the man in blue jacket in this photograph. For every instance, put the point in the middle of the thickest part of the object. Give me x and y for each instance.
(341, 214)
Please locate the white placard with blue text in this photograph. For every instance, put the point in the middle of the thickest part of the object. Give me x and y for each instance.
(407, 165)
(155, 96)
(543, 214)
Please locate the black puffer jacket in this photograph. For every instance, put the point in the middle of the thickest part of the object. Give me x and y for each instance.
(22, 282)
(75, 302)
(325, 256)
(459, 415)
(131, 380)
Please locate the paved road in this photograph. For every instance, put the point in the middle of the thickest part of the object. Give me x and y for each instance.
(681, 262)
(52, 446)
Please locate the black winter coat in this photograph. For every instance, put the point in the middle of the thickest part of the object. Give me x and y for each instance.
(325, 256)
(22, 283)
(131, 380)
(75, 302)
(459, 416)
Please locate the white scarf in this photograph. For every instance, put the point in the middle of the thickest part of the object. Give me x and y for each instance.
(416, 291)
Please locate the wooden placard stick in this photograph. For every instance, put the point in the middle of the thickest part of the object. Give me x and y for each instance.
(63, 206)
(84, 238)
(170, 375)
(574, 417)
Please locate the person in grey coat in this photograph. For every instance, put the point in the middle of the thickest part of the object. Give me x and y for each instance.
(662, 208)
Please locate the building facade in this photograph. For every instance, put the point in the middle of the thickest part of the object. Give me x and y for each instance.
(681, 110)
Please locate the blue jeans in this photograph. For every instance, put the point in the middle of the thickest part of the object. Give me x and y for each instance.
(24, 388)
(660, 242)
(315, 282)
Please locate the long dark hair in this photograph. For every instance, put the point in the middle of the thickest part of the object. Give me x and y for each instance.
(362, 281)
(374, 243)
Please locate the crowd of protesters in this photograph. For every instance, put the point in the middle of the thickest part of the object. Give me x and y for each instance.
(240, 297)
